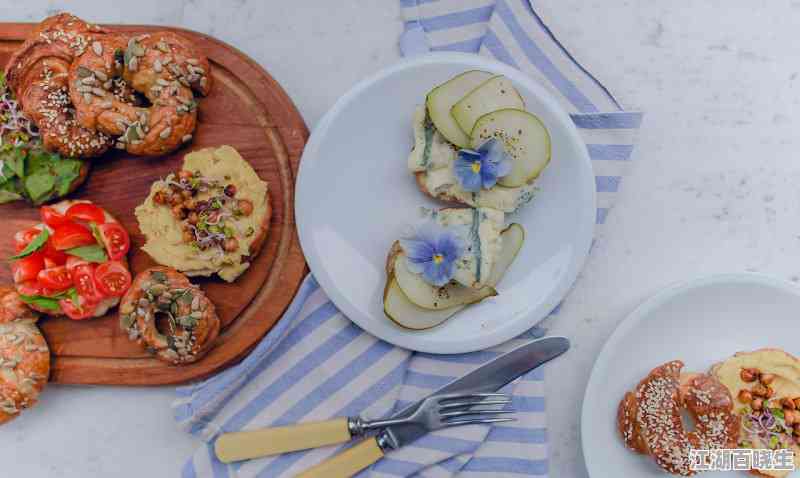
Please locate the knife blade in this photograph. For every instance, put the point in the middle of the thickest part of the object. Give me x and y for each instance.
(489, 377)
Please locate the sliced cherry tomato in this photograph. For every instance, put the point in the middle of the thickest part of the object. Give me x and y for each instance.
(112, 278)
(117, 240)
(51, 217)
(71, 235)
(77, 312)
(83, 279)
(56, 257)
(86, 212)
(30, 287)
(73, 262)
(27, 268)
(23, 238)
(56, 278)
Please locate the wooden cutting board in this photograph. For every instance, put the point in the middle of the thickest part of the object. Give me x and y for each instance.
(246, 109)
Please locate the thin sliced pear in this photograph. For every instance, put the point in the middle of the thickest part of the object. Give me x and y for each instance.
(405, 313)
(435, 298)
(525, 139)
(442, 98)
(496, 93)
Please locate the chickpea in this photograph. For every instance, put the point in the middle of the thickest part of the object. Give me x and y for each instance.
(759, 390)
(187, 175)
(245, 207)
(188, 237)
(797, 403)
(160, 197)
(757, 404)
(230, 190)
(175, 199)
(749, 375)
(770, 392)
(178, 211)
(193, 218)
(190, 204)
(231, 244)
(745, 396)
(790, 417)
(788, 404)
(186, 194)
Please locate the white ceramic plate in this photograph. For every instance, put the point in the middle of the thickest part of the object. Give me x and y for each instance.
(355, 197)
(700, 323)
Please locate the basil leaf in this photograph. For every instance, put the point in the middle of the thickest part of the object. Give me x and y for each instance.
(8, 196)
(66, 171)
(34, 245)
(49, 303)
(15, 159)
(93, 253)
(98, 236)
(39, 185)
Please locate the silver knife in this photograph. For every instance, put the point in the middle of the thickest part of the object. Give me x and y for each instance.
(487, 378)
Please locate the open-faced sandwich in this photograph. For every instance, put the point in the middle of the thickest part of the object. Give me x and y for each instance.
(74, 262)
(211, 217)
(766, 387)
(459, 134)
(456, 257)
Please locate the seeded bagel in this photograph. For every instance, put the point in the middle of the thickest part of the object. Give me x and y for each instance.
(169, 316)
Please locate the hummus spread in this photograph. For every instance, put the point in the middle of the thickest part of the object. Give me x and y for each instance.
(165, 233)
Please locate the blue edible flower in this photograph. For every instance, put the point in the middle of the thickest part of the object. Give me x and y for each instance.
(481, 168)
(433, 252)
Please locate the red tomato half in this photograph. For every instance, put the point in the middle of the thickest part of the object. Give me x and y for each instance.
(27, 268)
(83, 279)
(57, 278)
(112, 278)
(86, 212)
(51, 217)
(71, 235)
(73, 262)
(79, 312)
(58, 258)
(117, 240)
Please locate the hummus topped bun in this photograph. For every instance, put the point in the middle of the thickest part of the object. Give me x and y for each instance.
(765, 385)
(169, 316)
(649, 417)
(209, 218)
(24, 356)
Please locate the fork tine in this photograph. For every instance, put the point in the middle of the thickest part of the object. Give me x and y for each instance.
(477, 421)
(474, 412)
(473, 403)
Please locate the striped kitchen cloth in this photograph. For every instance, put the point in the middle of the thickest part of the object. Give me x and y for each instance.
(316, 364)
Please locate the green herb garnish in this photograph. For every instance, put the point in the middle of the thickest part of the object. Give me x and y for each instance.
(93, 253)
(34, 245)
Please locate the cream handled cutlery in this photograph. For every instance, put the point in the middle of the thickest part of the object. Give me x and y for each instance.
(469, 399)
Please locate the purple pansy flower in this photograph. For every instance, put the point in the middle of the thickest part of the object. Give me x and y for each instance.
(481, 168)
(433, 252)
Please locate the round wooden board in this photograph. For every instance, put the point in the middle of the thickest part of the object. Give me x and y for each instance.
(246, 109)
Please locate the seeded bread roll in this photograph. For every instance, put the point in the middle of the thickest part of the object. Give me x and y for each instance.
(24, 356)
(649, 419)
(169, 316)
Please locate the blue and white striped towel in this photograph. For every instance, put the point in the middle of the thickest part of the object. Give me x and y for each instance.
(315, 364)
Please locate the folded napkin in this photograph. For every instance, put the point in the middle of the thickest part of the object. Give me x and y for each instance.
(316, 364)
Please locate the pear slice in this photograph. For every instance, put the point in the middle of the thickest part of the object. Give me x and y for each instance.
(402, 311)
(442, 98)
(496, 93)
(525, 139)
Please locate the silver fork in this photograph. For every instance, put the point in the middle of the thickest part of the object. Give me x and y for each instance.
(439, 411)
(432, 413)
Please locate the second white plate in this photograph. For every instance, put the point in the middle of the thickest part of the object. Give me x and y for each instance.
(355, 196)
(701, 323)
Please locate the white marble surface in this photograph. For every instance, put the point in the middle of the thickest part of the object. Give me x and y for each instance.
(712, 188)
